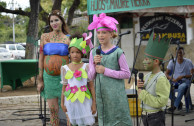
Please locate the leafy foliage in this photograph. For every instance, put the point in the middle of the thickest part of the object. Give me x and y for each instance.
(21, 22)
(6, 28)
(81, 28)
(67, 4)
(46, 5)
(3, 4)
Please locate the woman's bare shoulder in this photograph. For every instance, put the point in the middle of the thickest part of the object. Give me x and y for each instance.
(45, 35)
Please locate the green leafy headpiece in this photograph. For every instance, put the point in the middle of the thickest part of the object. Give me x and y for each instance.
(80, 44)
(157, 47)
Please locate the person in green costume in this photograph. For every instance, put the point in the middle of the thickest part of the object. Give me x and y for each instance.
(109, 71)
(155, 89)
(52, 55)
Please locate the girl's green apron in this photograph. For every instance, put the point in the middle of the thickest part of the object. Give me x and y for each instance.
(111, 98)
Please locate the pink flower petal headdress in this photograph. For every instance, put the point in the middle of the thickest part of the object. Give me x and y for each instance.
(88, 39)
(103, 22)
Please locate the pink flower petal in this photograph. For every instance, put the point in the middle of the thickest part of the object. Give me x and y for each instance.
(84, 51)
(84, 35)
(74, 89)
(89, 37)
(102, 15)
(77, 74)
(104, 20)
(67, 87)
(83, 88)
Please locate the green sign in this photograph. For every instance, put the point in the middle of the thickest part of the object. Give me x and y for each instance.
(105, 6)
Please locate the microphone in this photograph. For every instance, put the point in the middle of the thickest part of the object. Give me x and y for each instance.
(141, 78)
(128, 32)
(176, 42)
(172, 57)
(178, 45)
(98, 52)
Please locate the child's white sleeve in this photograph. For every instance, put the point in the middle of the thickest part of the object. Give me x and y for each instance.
(87, 69)
(63, 73)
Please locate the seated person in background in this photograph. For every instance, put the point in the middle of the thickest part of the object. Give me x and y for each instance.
(181, 77)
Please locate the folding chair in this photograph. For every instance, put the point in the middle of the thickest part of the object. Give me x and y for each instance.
(188, 101)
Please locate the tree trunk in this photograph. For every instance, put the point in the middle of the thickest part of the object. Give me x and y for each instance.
(57, 5)
(72, 10)
(32, 34)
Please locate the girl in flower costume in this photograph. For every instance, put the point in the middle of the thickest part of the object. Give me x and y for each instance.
(111, 99)
(78, 94)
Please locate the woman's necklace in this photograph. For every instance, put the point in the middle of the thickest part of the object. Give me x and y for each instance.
(77, 62)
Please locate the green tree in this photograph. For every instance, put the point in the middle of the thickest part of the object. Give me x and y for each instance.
(6, 28)
(26, 23)
(3, 4)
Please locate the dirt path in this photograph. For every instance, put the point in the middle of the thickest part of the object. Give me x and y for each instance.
(28, 88)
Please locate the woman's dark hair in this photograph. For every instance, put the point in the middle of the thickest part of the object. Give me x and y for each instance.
(59, 15)
(76, 35)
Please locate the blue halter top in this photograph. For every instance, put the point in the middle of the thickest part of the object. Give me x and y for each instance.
(56, 49)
